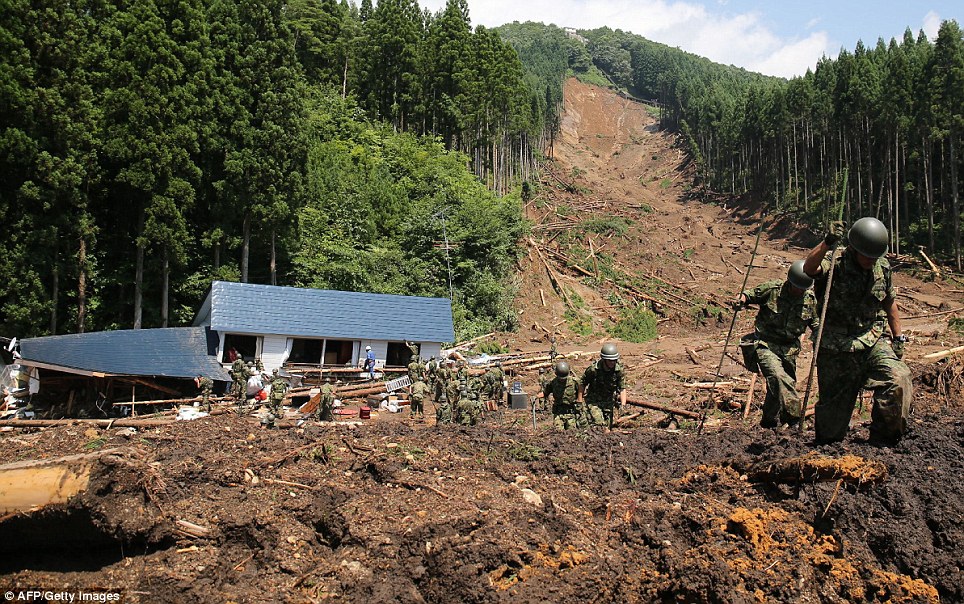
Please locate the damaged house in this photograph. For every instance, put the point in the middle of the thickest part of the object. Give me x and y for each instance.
(285, 327)
(290, 326)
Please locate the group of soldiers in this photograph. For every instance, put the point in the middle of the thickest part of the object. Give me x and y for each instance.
(851, 350)
(461, 396)
(592, 400)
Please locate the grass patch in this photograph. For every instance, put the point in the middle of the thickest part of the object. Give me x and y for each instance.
(606, 225)
(524, 452)
(665, 183)
(95, 444)
(635, 325)
(957, 325)
(578, 323)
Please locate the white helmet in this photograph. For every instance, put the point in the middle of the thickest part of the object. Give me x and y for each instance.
(368, 348)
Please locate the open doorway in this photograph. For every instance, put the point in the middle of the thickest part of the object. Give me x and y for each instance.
(246, 347)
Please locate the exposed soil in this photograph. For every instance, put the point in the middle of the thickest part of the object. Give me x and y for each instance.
(391, 511)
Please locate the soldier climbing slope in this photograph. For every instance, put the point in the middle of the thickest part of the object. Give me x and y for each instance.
(853, 353)
(567, 411)
(787, 309)
(602, 386)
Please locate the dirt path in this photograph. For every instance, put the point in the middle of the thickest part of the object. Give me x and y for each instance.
(391, 511)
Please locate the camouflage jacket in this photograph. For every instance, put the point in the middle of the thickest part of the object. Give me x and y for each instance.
(278, 388)
(855, 311)
(602, 385)
(563, 390)
(328, 393)
(239, 370)
(419, 390)
(783, 317)
(205, 385)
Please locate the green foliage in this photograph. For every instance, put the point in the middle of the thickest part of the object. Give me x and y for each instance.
(956, 324)
(636, 324)
(578, 323)
(149, 147)
(521, 451)
(606, 225)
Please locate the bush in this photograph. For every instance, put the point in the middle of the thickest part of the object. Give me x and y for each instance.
(635, 325)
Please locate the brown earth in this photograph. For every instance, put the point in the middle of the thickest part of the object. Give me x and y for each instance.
(392, 511)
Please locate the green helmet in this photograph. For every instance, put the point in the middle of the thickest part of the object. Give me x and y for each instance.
(797, 277)
(869, 237)
(609, 352)
(562, 369)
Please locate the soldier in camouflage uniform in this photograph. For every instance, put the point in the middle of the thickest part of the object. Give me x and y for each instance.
(787, 309)
(417, 393)
(326, 403)
(469, 408)
(443, 410)
(239, 373)
(495, 384)
(602, 387)
(567, 412)
(206, 386)
(279, 387)
(853, 353)
(416, 371)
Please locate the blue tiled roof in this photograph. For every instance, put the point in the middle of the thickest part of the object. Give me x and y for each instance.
(292, 311)
(181, 352)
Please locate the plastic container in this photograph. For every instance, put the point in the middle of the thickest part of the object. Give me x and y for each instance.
(365, 413)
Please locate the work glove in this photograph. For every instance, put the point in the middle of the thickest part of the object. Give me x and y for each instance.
(738, 304)
(834, 233)
(897, 343)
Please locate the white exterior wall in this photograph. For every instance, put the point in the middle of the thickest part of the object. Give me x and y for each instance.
(379, 347)
(429, 350)
(274, 352)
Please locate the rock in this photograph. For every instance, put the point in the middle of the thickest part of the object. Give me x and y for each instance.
(531, 497)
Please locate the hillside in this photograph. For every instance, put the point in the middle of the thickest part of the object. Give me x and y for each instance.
(391, 511)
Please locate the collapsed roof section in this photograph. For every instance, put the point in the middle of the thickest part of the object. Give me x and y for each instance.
(177, 352)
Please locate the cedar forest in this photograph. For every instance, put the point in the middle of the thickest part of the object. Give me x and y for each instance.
(150, 146)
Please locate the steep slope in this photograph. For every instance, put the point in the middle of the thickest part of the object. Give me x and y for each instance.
(617, 202)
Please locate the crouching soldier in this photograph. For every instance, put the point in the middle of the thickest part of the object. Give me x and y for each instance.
(443, 410)
(567, 413)
(787, 309)
(326, 404)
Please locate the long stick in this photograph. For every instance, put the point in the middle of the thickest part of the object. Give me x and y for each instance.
(823, 311)
(726, 343)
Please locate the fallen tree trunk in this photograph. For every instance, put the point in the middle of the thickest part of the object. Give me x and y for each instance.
(817, 468)
(114, 423)
(675, 411)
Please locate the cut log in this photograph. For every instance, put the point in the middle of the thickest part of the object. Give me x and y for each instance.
(935, 356)
(114, 423)
(816, 468)
(27, 485)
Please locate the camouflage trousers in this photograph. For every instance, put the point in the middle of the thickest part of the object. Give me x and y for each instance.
(841, 375)
(324, 412)
(782, 404)
(417, 407)
(274, 404)
(567, 417)
(601, 415)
